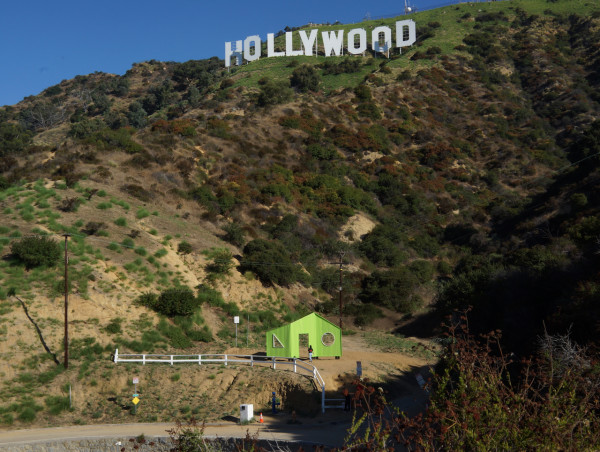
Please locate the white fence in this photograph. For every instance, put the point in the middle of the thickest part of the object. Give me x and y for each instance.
(296, 365)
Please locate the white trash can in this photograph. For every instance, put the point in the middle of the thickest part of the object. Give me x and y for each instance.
(246, 412)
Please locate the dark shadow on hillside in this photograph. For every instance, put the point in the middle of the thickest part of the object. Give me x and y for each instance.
(421, 325)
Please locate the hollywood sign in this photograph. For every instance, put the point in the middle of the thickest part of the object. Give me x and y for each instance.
(250, 49)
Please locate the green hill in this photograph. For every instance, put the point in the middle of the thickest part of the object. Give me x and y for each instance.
(459, 174)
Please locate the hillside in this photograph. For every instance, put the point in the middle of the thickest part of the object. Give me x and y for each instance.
(460, 173)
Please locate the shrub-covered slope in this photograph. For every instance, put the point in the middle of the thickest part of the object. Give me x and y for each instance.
(459, 173)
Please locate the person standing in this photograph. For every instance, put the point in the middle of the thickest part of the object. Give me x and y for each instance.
(310, 353)
(347, 400)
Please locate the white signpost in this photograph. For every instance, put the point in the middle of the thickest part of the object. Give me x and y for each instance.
(333, 42)
(236, 320)
(136, 396)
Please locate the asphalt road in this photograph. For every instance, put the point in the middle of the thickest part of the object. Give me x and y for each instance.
(327, 431)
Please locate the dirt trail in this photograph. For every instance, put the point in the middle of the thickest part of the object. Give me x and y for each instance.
(376, 365)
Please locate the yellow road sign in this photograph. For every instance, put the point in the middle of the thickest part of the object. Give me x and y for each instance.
(136, 400)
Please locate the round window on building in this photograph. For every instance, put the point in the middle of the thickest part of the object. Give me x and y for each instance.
(328, 339)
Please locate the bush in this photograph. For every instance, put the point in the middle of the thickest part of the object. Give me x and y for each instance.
(272, 93)
(57, 404)
(305, 78)
(220, 262)
(37, 251)
(422, 269)
(184, 248)
(234, 234)
(28, 414)
(392, 289)
(482, 400)
(270, 262)
(13, 139)
(114, 326)
(176, 301)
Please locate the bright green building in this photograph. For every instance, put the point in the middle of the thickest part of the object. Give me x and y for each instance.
(293, 340)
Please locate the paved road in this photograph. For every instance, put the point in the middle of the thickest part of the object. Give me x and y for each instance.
(326, 432)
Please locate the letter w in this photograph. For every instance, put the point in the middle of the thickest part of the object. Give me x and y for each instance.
(333, 42)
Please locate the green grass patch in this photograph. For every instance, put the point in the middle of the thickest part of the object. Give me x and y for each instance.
(57, 404)
(142, 213)
(160, 253)
(141, 251)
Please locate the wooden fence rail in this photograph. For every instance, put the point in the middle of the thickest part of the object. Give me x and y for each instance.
(296, 365)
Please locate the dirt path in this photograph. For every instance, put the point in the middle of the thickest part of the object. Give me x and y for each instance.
(376, 366)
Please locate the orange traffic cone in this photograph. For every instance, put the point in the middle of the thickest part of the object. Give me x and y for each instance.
(261, 419)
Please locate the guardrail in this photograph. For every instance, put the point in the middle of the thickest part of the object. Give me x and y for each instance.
(297, 365)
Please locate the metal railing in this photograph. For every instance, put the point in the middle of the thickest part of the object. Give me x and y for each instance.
(297, 366)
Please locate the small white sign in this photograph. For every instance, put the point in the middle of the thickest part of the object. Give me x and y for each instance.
(236, 319)
(136, 380)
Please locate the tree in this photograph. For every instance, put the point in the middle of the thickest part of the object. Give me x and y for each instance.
(270, 261)
(43, 115)
(13, 138)
(137, 115)
(305, 78)
(37, 251)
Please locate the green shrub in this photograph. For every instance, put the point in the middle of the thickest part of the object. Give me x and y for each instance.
(203, 335)
(184, 248)
(392, 289)
(178, 301)
(114, 326)
(142, 213)
(220, 261)
(422, 269)
(37, 251)
(176, 336)
(305, 78)
(234, 234)
(273, 93)
(121, 221)
(57, 404)
(128, 242)
(270, 262)
(7, 419)
(364, 314)
(161, 253)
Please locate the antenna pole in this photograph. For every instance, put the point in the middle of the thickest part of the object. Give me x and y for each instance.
(66, 303)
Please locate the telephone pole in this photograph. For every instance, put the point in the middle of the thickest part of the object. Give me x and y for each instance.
(341, 264)
(66, 303)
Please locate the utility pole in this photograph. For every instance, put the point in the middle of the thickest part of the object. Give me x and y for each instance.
(66, 303)
(341, 264)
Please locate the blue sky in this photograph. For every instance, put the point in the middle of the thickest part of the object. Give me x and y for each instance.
(45, 42)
